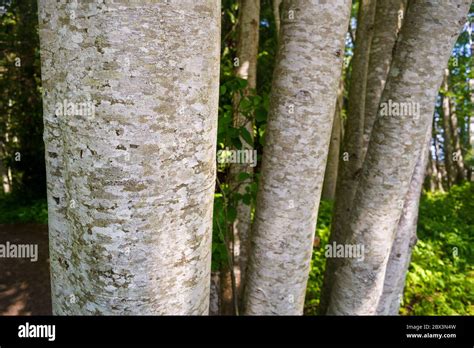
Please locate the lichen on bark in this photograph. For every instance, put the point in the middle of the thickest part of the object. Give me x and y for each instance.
(302, 105)
(130, 186)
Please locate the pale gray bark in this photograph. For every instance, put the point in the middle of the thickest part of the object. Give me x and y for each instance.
(354, 129)
(425, 43)
(130, 187)
(387, 24)
(405, 238)
(330, 175)
(436, 160)
(302, 107)
(351, 162)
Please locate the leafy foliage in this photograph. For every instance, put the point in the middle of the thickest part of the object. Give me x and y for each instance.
(441, 274)
(440, 278)
(318, 261)
(13, 210)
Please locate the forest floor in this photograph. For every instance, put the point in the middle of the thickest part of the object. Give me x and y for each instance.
(24, 285)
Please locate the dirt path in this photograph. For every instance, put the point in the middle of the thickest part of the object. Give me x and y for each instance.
(24, 285)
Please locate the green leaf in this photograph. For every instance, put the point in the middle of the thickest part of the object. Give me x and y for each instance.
(222, 90)
(246, 135)
(261, 114)
(243, 176)
(231, 214)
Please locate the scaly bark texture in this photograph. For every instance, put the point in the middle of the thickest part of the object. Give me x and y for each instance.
(387, 24)
(302, 106)
(405, 238)
(330, 175)
(130, 187)
(351, 161)
(428, 34)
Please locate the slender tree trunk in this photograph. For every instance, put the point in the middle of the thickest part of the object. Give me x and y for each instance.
(425, 43)
(351, 161)
(436, 160)
(387, 24)
(276, 14)
(405, 238)
(330, 175)
(214, 297)
(4, 172)
(471, 135)
(130, 177)
(470, 118)
(247, 51)
(434, 176)
(302, 106)
(430, 183)
(447, 133)
(458, 157)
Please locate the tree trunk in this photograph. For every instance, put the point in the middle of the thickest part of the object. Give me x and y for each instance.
(387, 24)
(247, 51)
(471, 135)
(458, 158)
(302, 106)
(436, 160)
(330, 175)
(214, 297)
(425, 43)
(5, 172)
(276, 14)
(447, 133)
(131, 177)
(405, 238)
(351, 161)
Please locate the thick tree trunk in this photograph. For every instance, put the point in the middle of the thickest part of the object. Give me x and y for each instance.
(351, 161)
(302, 106)
(330, 175)
(130, 181)
(405, 238)
(425, 43)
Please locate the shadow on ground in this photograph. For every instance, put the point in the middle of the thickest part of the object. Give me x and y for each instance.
(25, 287)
